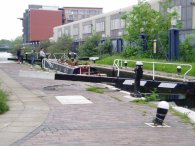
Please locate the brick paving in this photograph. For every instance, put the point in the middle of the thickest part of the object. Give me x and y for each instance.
(106, 122)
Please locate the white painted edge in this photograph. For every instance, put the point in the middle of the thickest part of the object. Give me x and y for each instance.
(188, 112)
(158, 126)
(133, 98)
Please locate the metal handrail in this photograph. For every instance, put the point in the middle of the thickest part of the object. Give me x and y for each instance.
(44, 61)
(119, 63)
(63, 55)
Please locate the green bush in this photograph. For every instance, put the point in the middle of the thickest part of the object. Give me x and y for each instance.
(3, 102)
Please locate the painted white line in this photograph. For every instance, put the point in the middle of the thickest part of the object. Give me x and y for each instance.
(158, 126)
(73, 99)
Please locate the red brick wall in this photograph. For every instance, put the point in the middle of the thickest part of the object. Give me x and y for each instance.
(42, 23)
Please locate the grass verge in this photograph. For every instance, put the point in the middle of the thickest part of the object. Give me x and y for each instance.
(3, 102)
(96, 89)
(108, 60)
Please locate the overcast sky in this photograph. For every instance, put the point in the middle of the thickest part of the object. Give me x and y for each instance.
(10, 10)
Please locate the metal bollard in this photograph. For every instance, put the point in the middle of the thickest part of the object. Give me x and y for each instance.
(138, 75)
(179, 70)
(162, 110)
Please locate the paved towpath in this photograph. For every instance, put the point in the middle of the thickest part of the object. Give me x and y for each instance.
(109, 121)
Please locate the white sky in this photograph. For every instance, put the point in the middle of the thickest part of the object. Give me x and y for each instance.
(10, 10)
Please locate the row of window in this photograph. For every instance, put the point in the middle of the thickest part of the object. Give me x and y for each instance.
(99, 27)
(83, 12)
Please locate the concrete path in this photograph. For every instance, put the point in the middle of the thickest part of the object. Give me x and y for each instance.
(110, 120)
(27, 111)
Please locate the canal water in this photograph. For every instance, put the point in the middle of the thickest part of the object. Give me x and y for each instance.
(4, 56)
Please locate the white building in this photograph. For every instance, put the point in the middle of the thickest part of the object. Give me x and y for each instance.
(111, 25)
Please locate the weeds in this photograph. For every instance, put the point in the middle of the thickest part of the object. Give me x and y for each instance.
(96, 89)
(152, 97)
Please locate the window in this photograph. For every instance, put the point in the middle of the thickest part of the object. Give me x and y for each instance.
(117, 24)
(100, 26)
(66, 32)
(75, 31)
(87, 29)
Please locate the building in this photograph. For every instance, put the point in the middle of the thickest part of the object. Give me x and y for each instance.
(111, 25)
(77, 13)
(39, 21)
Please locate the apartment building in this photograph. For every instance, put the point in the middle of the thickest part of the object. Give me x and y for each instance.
(111, 25)
(72, 14)
(39, 21)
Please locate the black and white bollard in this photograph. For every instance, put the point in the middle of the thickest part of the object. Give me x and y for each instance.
(162, 110)
(179, 70)
(125, 63)
(138, 75)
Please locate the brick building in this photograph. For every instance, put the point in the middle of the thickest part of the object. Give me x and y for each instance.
(39, 21)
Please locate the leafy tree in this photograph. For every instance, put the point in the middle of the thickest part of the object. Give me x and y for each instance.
(4, 42)
(105, 47)
(143, 21)
(63, 45)
(187, 49)
(16, 44)
(45, 44)
(90, 46)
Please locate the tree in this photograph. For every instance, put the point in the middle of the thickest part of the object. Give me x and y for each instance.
(187, 51)
(149, 25)
(63, 45)
(90, 46)
(16, 44)
(104, 47)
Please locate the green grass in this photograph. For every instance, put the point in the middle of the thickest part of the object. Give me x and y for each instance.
(108, 60)
(96, 89)
(3, 102)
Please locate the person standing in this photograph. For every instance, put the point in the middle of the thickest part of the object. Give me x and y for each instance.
(18, 54)
(32, 57)
(42, 55)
